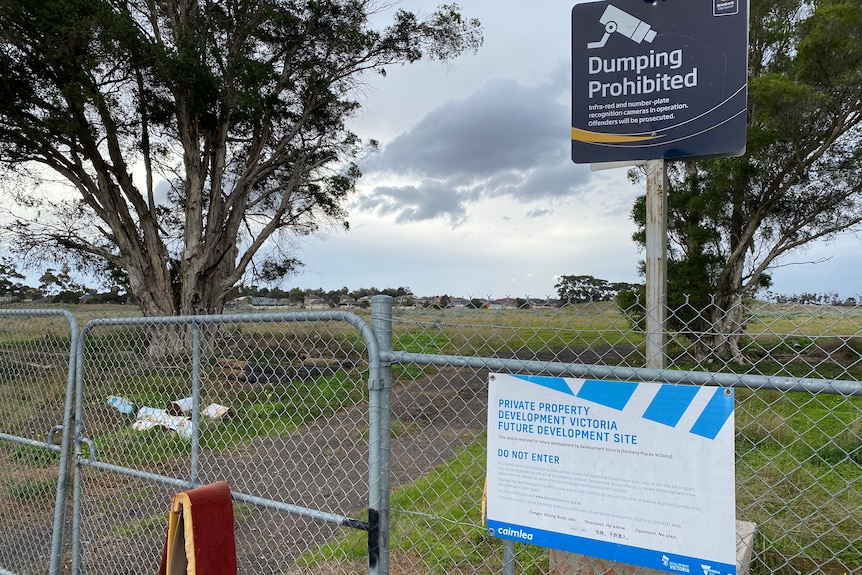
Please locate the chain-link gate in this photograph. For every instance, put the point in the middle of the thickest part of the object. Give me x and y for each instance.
(278, 406)
(36, 385)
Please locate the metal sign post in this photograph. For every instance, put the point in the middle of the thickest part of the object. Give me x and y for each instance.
(656, 262)
(658, 81)
(652, 82)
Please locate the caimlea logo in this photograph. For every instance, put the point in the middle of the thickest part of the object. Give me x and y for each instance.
(519, 533)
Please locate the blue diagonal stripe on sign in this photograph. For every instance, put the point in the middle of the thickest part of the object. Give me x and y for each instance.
(613, 394)
(715, 414)
(670, 403)
(555, 383)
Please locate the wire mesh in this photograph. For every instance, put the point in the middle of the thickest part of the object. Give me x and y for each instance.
(34, 385)
(798, 454)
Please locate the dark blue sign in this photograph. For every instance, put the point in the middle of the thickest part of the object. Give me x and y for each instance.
(664, 79)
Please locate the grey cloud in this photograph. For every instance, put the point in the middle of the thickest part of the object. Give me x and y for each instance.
(429, 201)
(504, 140)
(538, 213)
(501, 126)
(542, 183)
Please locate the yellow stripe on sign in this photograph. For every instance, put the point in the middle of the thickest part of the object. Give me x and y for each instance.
(587, 136)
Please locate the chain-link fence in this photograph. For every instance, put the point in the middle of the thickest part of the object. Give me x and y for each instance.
(284, 407)
(798, 419)
(36, 385)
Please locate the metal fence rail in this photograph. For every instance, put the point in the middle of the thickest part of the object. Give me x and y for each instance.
(36, 391)
(354, 449)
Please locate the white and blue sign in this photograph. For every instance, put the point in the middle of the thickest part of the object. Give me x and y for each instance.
(638, 473)
(658, 80)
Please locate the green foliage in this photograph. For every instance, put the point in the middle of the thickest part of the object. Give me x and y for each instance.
(583, 289)
(33, 492)
(35, 456)
(631, 305)
(729, 219)
(139, 526)
(10, 280)
(411, 371)
(422, 342)
(798, 456)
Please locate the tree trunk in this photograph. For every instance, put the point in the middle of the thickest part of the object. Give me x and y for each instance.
(148, 272)
(728, 327)
(725, 316)
(207, 282)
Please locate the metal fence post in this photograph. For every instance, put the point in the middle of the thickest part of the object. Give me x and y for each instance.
(78, 454)
(196, 404)
(508, 557)
(379, 413)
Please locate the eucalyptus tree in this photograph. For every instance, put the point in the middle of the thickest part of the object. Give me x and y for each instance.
(800, 180)
(241, 106)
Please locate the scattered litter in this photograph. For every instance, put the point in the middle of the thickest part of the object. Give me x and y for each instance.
(180, 406)
(173, 417)
(216, 411)
(150, 417)
(122, 404)
(149, 412)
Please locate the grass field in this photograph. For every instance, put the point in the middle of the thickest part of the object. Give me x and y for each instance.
(799, 455)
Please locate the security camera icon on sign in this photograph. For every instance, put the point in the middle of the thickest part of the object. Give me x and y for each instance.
(616, 20)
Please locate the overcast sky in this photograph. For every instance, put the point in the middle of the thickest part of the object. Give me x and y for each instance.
(473, 193)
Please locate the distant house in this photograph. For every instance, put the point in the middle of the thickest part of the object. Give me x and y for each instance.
(315, 303)
(346, 301)
(257, 301)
